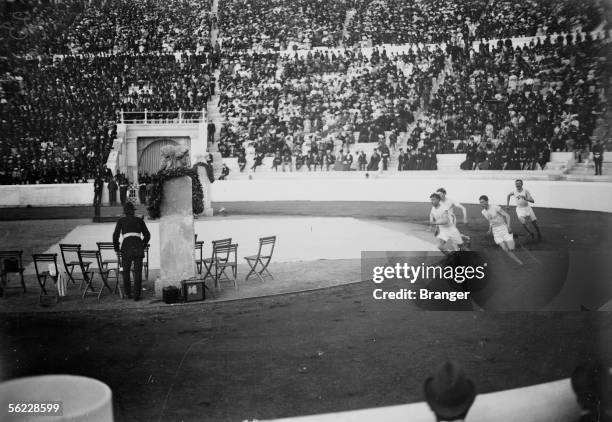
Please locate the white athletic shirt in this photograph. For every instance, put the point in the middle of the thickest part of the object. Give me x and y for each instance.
(439, 214)
(521, 202)
(448, 205)
(493, 216)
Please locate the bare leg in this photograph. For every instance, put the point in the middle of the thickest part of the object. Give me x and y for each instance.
(529, 232)
(535, 225)
(508, 247)
(467, 241)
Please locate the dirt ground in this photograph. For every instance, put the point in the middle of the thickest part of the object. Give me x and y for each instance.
(302, 353)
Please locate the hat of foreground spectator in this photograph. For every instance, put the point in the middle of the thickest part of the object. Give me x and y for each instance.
(449, 393)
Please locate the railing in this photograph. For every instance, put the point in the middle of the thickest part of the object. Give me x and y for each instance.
(162, 117)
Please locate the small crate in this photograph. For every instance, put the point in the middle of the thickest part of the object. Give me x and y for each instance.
(170, 294)
(193, 290)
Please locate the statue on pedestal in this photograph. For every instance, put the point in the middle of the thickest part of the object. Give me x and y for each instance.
(174, 157)
(178, 194)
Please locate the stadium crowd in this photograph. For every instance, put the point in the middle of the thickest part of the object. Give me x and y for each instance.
(105, 26)
(435, 21)
(280, 24)
(59, 117)
(504, 106)
(339, 98)
(514, 105)
(314, 23)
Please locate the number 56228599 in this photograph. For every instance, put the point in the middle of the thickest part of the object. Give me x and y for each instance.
(51, 408)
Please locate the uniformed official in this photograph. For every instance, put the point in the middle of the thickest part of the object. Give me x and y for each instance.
(598, 152)
(123, 188)
(112, 191)
(132, 248)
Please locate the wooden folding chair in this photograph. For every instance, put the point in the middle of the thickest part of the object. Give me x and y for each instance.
(71, 264)
(209, 263)
(263, 258)
(198, 255)
(48, 260)
(109, 257)
(90, 272)
(11, 262)
(223, 264)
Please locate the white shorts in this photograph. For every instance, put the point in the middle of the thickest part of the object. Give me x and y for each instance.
(501, 234)
(525, 213)
(450, 233)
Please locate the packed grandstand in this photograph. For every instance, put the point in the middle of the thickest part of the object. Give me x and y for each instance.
(307, 82)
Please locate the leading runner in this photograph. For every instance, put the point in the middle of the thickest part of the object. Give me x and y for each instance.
(524, 212)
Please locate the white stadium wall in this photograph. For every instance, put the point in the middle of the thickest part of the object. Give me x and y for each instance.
(49, 195)
(550, 402)
(588, 196)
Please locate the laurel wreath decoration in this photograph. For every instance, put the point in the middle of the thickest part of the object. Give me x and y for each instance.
(197, 194)
(209, 170)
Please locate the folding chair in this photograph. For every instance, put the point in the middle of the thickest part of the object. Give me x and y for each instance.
(89, 272)
(198, 255)
(222, 265)
(10, 262)
(51, 272)
(263, 258)
(110, 258)
(210, 262)
(70, 265)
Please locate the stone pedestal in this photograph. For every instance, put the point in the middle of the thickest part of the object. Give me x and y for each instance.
(176, 235)
(208, 211)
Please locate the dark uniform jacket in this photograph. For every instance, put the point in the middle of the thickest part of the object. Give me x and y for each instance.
(131, 246)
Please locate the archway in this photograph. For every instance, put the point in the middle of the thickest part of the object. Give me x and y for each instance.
(149, 159)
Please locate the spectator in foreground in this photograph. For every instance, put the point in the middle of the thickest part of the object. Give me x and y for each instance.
(590, 382)
(449, 393)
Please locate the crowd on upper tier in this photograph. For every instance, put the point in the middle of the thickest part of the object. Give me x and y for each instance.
(433, 21)
(104, 26)
(282, 24)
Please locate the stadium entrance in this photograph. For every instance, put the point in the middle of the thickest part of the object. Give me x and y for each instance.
(137, 146)
(149, 152)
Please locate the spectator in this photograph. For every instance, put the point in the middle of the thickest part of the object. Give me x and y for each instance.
(449, 393)
(362, 161)
(98, 187)
(592, 385)
(225, 171)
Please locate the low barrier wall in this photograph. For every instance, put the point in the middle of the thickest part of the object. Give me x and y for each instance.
(50, 195)
(548, 194)
(586, 196)
(550, 402)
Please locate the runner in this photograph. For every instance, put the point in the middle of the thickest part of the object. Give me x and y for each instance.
(499, 226)
(524, 212)
(450, 205)
(449, 238)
